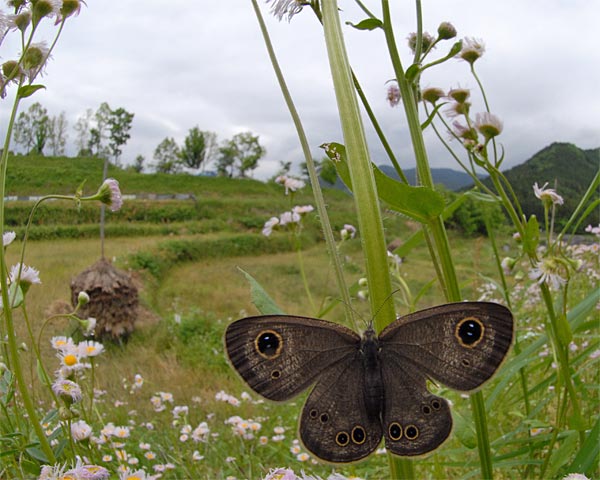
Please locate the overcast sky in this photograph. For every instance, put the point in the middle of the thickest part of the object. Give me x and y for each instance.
(180, 63)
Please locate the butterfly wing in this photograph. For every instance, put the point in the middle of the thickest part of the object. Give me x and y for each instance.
(279, 356)
(460, 345)
(415, 421)
(336, 425)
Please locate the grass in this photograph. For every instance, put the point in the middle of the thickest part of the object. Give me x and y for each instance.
(181, 354)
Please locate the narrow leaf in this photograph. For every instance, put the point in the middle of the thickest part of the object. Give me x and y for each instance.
(28, 90)
(260, 298)
(367, 24)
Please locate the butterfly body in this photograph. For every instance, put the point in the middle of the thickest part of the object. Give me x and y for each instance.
(375, 386)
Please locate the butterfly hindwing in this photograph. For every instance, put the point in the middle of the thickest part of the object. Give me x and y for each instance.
(460, 345)
(280, 356)
(336, 424)
(414, 420)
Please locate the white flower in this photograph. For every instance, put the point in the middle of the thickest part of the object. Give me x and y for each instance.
(349, 231)
(89, 348)
(288, 217)
(472, 49)
(281, 8)
(575, 476)
(300, 210)
(547, 194)
(121, 432)
(594, 230)
(393, 95)
(488, 124)
(290, 183)
(67, 388)
(8, 237)
(109, 193)
(28, 275)
(62, 343)
(269, 225)
(89, 326)
(546, 270)
(80, 430)
(196, 456)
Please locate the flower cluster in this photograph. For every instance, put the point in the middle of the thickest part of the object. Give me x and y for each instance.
(291, 184)
(287, 219)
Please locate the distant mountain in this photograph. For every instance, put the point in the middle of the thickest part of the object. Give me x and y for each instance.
(451, 179)
(566, 168)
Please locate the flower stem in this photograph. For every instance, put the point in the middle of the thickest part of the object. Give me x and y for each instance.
(312, 172)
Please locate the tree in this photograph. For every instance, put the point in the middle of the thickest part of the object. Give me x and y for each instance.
(57, 134)
(138, 165)
(83, 127)
(100, 132)
(242, 152)
(31, 129)
(198, 148)
(119, 124)
(167, 156)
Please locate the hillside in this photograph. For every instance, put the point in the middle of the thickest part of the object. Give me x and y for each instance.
(565, 167)
(451, 179)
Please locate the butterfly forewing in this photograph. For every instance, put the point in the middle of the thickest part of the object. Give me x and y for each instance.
(336, 424)
(280, 356)
(460, 345)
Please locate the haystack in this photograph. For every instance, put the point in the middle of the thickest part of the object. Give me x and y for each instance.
(113, 299)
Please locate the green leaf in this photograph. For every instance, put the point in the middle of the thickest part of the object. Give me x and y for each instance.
(563, 453)
(413, 71)
(464, 430)
(38, 454)
(28, 90)
(419, 203)
(587, 458)
(532, 236)
(367, 24)
(260, 298)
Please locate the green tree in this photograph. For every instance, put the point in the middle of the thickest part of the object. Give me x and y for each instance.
(119, 123)
(100, 132)
(82, 128)
(242, 152)
(31, 129)
(327, 171)
(198, 148)
(167, 156)
(57, 134)
(138, 165)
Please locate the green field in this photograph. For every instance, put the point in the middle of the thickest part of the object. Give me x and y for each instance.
(185, 257)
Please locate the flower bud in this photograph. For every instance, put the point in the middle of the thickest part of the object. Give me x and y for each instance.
(11, 70)
(472, 49)
(393, 95)
(427, 41)
(82, 299)
(459, 95)
(446, 31)
(488, 124)
(22, 20)
(70, 7)
(35, 56)
(432, 94)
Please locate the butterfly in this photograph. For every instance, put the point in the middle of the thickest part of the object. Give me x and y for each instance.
(372, 386)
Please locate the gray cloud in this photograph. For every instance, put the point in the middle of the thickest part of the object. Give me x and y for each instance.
(178, 64)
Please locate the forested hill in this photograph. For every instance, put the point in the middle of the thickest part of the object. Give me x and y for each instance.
(566, 168)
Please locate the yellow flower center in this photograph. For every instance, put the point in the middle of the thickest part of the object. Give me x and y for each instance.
(133, 477)
(90, 349)
(70, 360)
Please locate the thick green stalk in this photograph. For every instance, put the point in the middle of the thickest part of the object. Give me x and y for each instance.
(363, 187)
(361, 173)
(436, 227)
(312, 171)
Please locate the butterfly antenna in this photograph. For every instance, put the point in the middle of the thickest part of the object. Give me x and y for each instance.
(387, 299)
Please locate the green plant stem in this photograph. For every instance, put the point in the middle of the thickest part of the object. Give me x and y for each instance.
(13, 352)
(436, 227)
(361, 172)
(312, 172)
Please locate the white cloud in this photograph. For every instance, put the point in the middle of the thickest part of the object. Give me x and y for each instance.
(179, 64)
